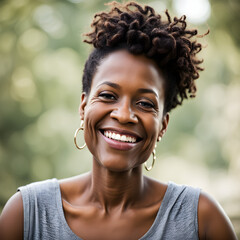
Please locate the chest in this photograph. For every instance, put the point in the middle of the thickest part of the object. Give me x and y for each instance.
(91, 224)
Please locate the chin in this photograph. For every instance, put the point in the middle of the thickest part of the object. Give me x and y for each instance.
(116, 165)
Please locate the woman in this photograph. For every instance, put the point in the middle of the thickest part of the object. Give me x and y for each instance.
(140, 69)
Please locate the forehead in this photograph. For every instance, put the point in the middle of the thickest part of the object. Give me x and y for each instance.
(125, 68)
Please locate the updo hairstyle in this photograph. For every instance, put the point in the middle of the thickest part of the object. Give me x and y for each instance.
(140, 30)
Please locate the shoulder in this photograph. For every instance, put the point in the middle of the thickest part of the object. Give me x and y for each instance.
(212, 220)
(183, 195)
(12, 216)
(39, 192)
(45, 185)
(11, 220)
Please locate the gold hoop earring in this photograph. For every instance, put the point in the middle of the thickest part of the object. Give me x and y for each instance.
(153, 161)
(75, 136)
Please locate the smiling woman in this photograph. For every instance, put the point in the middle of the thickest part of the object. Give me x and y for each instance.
(140, 69)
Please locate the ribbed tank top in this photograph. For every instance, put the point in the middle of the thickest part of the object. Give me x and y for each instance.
(177, 217)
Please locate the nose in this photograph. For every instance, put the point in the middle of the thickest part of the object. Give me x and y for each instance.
(124, 113)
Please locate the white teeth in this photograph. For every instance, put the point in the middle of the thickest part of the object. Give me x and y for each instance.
(123, 138)
(119, 137)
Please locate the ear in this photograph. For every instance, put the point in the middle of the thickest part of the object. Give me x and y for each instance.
(163, 129)
(82, 105)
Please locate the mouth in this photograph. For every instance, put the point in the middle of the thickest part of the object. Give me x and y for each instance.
(121, 137)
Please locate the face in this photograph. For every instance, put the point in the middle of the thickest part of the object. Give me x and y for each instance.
(123, 113)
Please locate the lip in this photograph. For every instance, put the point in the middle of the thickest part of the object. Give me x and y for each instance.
(124, 146)
(123, 132)
(118, 145)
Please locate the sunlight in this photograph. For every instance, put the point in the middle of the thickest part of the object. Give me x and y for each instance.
(197, 11)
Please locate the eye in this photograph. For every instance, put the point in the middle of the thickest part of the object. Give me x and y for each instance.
(107, 96)
(146, 104)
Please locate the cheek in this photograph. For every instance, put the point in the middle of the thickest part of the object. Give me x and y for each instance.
(94, 113)
(90, 119)
(152, 126)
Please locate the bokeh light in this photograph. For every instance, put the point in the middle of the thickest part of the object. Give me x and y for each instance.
(197, 11)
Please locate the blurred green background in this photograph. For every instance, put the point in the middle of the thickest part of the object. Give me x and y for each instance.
(41, 62)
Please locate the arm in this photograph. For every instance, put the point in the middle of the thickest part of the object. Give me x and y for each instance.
(212, 220)
(11, 219)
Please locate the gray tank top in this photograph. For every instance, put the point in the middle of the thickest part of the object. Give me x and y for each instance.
(44, 217)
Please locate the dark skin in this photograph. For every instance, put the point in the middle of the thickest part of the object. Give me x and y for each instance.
(128, 99)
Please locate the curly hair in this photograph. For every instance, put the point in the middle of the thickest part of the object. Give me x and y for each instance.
(140, 30)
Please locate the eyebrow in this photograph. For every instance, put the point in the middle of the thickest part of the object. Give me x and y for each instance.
(140, 90)
(111, 84)
(147, 90)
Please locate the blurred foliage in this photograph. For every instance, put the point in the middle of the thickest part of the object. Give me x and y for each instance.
(41, 62)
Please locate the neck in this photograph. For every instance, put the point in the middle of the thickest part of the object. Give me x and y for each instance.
(116, 189)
